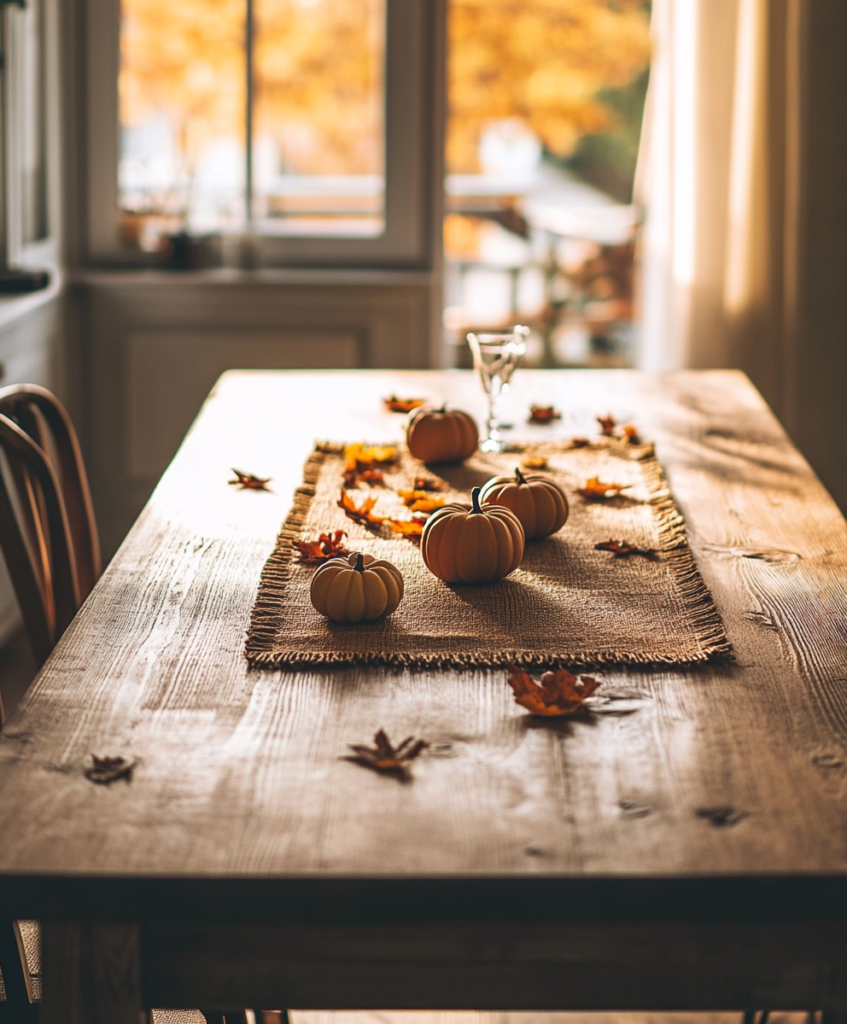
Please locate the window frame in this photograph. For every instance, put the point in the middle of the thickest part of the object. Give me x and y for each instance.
(412, 32)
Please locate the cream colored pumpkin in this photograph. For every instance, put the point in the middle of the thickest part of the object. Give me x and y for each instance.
(356, 588)
(539, 502)
(471, 544)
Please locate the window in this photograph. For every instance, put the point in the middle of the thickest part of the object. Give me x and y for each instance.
(305, 123)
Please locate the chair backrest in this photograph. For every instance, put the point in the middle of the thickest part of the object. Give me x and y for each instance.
(48, 534)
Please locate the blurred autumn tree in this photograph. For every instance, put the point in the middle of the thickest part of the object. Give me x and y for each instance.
(319, 73)
(543, 61)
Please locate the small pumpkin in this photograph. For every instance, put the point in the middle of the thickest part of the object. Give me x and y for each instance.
(441, 435)
(539, 502)
(471, 543)
(356, 588)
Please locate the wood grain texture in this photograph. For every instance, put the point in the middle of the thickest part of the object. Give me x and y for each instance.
(734, 771)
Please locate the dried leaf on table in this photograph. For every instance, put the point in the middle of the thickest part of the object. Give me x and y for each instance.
(623, 549)
(386, 758)
(249, 482)
(420, 501)
(313, 552)
(366, 462)
(105, 770)
(543, 413)
(630, 435)
(428, 483)
(579, 442)
(394, 404)
(407, 527)
(607, 425)
(372, 477)
(534, 462)
(558, 694)
(363, 513)
(595, 490)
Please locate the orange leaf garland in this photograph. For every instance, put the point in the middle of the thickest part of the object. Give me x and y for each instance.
(558, 694)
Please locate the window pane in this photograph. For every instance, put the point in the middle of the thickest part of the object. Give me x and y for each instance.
(182, 115)
(319, 148)
(33, 155)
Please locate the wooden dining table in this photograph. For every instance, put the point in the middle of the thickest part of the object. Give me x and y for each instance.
(687, 853)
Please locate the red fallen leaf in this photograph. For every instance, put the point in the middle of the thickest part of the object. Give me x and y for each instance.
(596, 490)
(363, 513)
(327, 546)
(428, 483)
(558, 694)
(607, 425)
(543, 413)
(420, 501)
(249, 482)
(384, 757)
(105, 770)
(580, 442)
(623, 549)
(394, 404)
(630, 435)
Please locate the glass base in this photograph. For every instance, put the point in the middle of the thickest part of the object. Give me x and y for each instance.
(491, 444)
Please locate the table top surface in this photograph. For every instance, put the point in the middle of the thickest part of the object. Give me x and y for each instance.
(725, 773)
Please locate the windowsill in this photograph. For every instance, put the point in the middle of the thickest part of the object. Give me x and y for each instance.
(16, 307)
(264, 277)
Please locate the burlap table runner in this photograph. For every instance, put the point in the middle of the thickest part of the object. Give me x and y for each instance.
(567, 604)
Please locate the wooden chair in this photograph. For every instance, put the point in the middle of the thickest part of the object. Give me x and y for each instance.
(48, 534)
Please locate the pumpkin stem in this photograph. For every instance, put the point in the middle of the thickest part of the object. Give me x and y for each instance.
(443, 407)
(360, 562)
(519, 477)
(475, 500)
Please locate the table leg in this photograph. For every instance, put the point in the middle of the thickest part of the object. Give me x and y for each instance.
(91, 974)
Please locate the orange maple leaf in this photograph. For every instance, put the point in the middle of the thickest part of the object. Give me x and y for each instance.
(407, 527)
(420, 501)
(394, 404)
(558, 694)
(363, 513)
(327, 546)
(596, 490)
(630, 434)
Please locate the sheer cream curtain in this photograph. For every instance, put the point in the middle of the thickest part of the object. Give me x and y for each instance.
(717, 178)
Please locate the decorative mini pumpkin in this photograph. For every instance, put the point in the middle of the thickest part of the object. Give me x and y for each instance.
(441, 435)
(472, 544)
(358, 588)
(536, 500)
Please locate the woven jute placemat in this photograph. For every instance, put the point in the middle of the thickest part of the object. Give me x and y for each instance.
(567, 604)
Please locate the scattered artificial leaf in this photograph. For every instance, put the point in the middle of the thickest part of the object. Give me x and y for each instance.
(607, 425)
(313, 552)
(386, 758)
(623, 549)
(249, 482)
(597, 491)
(363, 513)
(394, 404)
(407, 527)
(630, 435)
(365, 463)
(420, 501)
(428, 483)
(534, 462)
(106, 770)
(543, 413)
(558, 694)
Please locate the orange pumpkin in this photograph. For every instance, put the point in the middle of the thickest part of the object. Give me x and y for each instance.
(356, 588)
(539, 502)
(441, 435)
(471, 544)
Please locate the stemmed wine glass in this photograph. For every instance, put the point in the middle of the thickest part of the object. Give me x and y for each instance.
(495, 358)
